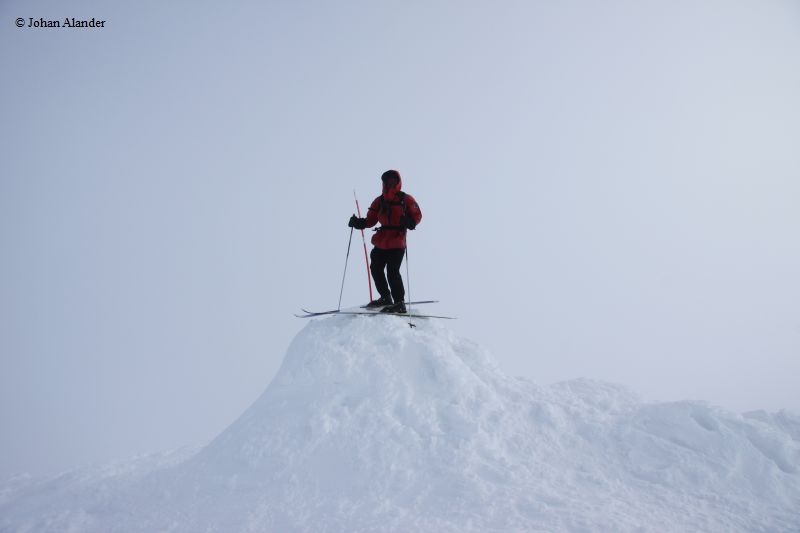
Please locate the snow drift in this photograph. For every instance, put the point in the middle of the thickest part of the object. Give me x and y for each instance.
(370, 425)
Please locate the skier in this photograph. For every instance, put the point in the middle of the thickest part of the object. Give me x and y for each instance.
(397, 212)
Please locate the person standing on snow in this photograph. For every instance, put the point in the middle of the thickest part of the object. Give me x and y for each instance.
(397, 212)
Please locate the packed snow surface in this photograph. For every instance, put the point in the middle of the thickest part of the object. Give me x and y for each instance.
(371, 425)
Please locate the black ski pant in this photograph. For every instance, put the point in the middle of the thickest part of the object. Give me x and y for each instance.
(391, 261)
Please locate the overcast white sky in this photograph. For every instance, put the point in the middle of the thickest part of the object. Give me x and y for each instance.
(610, 190)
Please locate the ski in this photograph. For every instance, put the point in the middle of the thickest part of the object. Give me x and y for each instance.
(309, 314)
(407, 303)
(401, 315)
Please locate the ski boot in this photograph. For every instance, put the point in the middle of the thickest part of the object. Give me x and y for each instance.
(399, 308)
(383, 301)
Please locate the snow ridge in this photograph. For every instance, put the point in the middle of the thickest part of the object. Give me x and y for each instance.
(370, 425)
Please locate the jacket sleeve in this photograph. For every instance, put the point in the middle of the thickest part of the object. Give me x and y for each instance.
(372, 212)
(412, 209)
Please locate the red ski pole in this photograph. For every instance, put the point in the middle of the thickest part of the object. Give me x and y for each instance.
(364, 241)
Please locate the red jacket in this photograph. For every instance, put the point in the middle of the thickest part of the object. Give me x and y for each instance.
(387, 209)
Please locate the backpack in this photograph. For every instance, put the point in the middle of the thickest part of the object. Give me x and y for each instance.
(386, 206)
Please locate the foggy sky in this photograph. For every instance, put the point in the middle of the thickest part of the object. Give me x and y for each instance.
(609, 190)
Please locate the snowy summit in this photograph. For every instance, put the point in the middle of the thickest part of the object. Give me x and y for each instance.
(370, 425)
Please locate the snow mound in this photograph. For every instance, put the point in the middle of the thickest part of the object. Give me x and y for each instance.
(370, 425)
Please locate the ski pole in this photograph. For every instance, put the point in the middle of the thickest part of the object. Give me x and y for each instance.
(364, 241)
(345, 268)
(408, 277)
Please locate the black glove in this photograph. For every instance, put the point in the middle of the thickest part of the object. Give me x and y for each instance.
(357, 223)
(407, 222)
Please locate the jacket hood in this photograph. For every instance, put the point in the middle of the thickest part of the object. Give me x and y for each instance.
(390, 193)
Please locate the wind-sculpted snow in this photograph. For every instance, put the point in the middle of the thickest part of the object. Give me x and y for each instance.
(370, 425)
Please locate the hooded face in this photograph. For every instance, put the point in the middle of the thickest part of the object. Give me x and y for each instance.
(392, 183)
